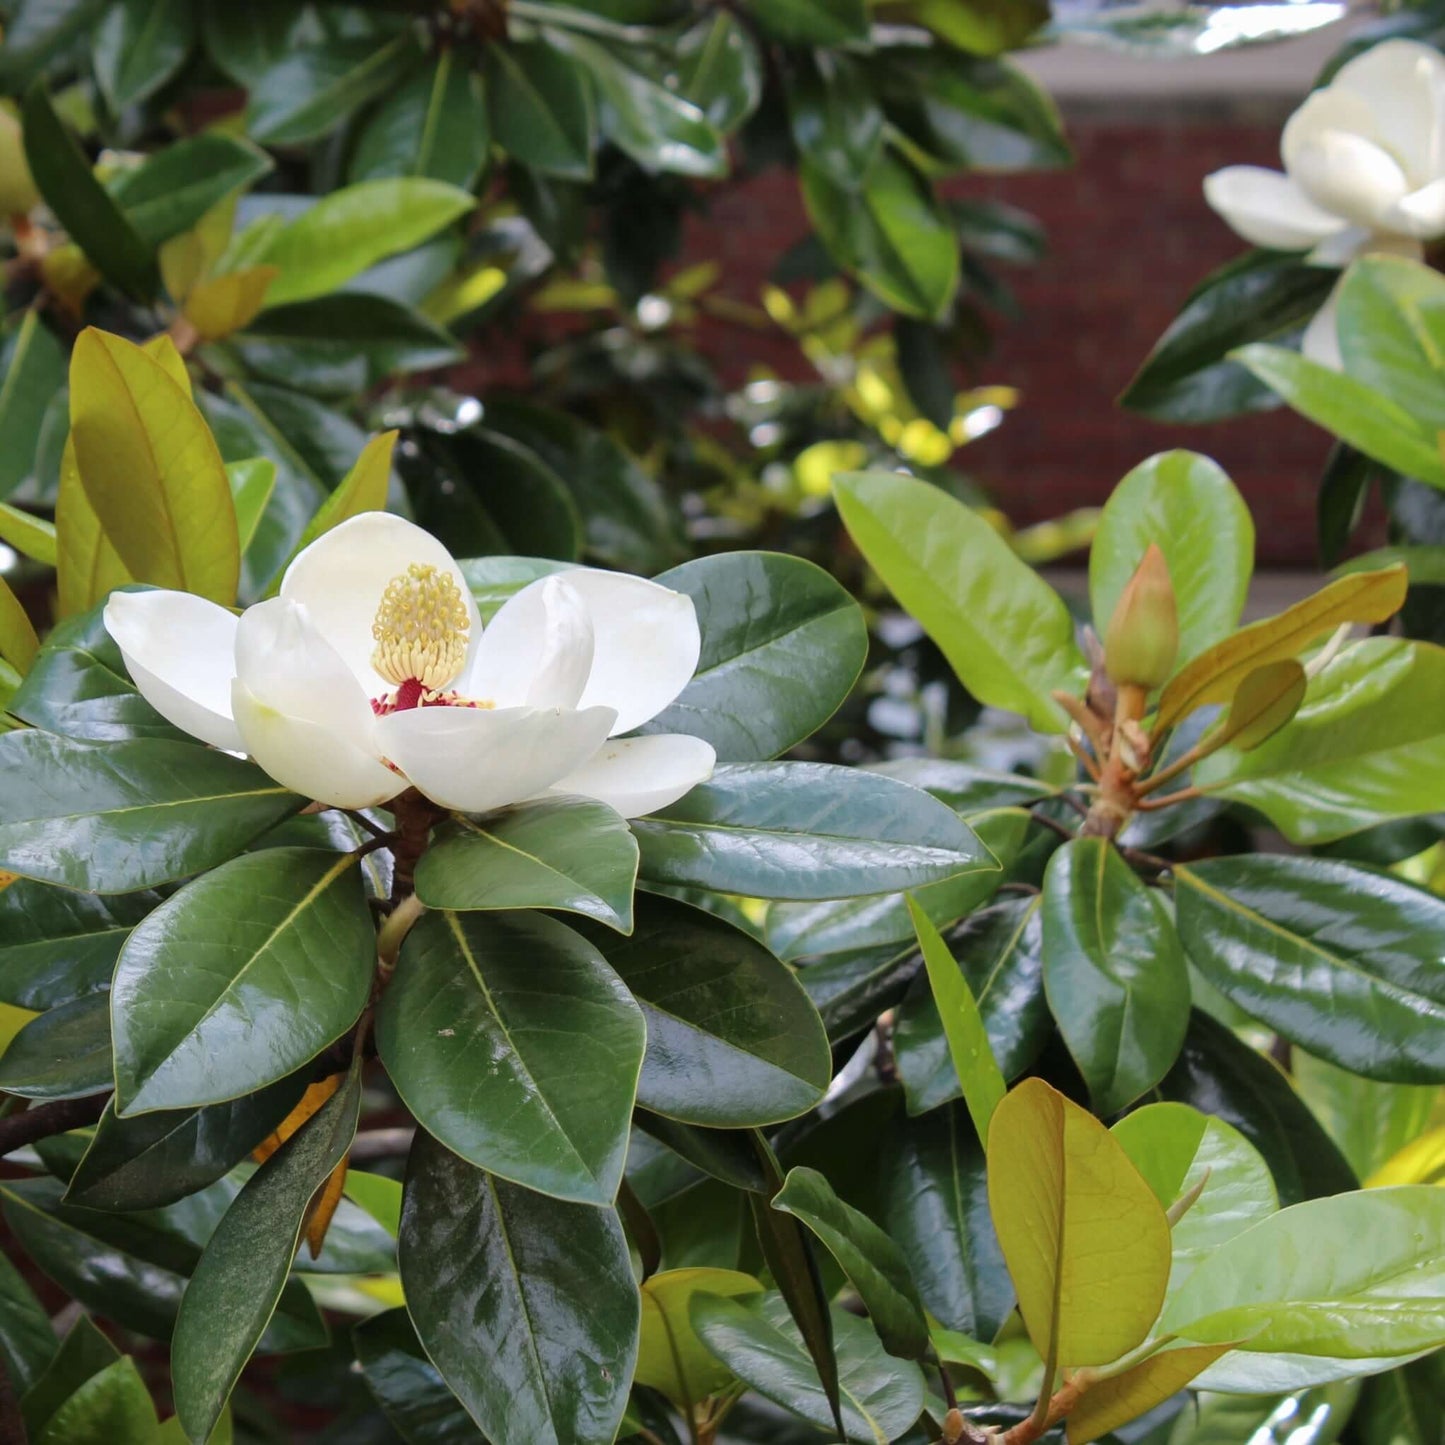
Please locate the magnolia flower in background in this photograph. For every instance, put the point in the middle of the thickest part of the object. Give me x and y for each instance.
(371, 672)
(1364, 171)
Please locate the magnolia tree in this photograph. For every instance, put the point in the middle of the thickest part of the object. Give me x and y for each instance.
(446, 997)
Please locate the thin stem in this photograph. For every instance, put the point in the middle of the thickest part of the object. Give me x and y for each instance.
(1085, 758)
(362, 821)
(45, 1120)
(1182, 796)
(1044, 821)
(389, 939)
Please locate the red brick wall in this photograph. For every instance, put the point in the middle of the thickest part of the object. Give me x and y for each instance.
(1129, 236)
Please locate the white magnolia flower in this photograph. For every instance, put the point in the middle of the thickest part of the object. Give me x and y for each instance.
(1364, 161)
(371, 672)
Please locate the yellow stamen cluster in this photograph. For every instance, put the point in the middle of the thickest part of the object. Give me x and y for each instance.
(421, 628)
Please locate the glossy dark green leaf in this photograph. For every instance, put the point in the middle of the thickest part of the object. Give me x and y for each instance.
(1260, 296)
(309, 92)
(999, 951)
(813, 22)
(407, 1386)
(1114, 972)
(1219, 1074)
(130, 1268)
(27, 1339)
(720, 70)
(139, 45)
(652, 123)
(78, 686)
(969, 114)
(63, 1053)
(56, 944)
(178, 185)
(567, 853)
(851, 989)
(116, 817)
(35, 30)
(542, 109)
(34, 376)
(487, 492)
(493, 580)
(435, 124)
(84, 1352)
(1341, 960)
(239, 1279)
(892, 234)
(81, 204)
(340, 345)
(873, 1263)
(525, 1304)
(934, 1205)
(782, 646)
(880, 1396)
(727, 1155)
(513, 1042)
(112, 1406)
(205, 998)
(805, 830)
(628, 519)
(838, 925)
(732, 1040)
(151, 1160)
(836, 122)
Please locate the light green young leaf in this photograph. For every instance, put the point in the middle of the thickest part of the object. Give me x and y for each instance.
(963, 1027)
(1004, 630)
(252, 482)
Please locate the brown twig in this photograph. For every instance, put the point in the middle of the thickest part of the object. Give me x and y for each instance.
(44, 1120)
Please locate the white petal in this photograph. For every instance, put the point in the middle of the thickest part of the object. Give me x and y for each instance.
(1420, 214)
(340, 577)
(640, 775)
(537, 651)
(1267, 208)
(1341, 248)
(476, 759)
(1403, 84)
(287, 665)
(1321, 341)
(646, 644)
(309, 759)
(1338, 166)
(180, 652)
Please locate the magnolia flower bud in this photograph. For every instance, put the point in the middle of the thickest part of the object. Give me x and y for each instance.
(1142, 640)
(17, 188)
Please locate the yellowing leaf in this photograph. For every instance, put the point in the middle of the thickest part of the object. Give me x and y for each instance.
(670, 1357)
(69, 277)
(968, 1046)
(458, 295)
(314, 1097)
(18, 642)
(1111, 1403)
(1085, 1240)
(151, 469)
(186, 258)
(12, 1020)
(1214, 675)
(362, 489)
(322, 1208)
(1264, 702)
(224, 304)
(1422, 1161)
(87, 567)
(6, 879)
(163, 349)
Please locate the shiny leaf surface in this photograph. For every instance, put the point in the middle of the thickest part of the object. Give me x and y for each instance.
(514, 1043)
(204, 1001)
(542, 109)
(567, 853)
(804, 830)
(526, 1304)
(732, 1040)
(63, 1053)
(1343, 961)
(782, 646)
(409, 1388)
(1114, 972)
